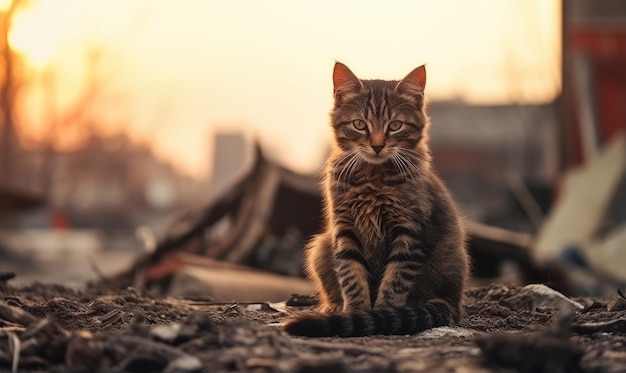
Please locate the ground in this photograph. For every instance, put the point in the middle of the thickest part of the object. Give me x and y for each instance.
(57, 329)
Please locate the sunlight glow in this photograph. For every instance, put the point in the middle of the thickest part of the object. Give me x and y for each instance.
(34, 36)
(4, 4)
(181, 73)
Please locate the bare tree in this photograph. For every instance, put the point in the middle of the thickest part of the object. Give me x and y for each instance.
(77, 115)
(75, 118)
(8, 90)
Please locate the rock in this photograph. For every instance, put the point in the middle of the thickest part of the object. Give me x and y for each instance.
(166, 333)
(186, 364)
(535, 296)
(447, 331)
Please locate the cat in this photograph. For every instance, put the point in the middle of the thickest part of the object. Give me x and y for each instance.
(392, 258)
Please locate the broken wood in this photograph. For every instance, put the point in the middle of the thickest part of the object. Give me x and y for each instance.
(260, 205)
(211, 214)
(261, 201)
(489, 246)
(174, 262)
(236, 285)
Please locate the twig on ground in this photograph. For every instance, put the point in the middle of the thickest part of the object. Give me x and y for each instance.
(600, 327)
(14, 345)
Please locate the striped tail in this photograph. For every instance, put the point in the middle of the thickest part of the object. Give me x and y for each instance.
(401, 320)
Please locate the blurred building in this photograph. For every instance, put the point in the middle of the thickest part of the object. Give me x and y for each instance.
(594, 77)
(497, 158)
(232, 154)
(109, 182)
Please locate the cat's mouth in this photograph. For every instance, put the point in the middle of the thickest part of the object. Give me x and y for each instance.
(376, 158)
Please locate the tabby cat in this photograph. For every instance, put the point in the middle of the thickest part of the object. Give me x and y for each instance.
(392, 259)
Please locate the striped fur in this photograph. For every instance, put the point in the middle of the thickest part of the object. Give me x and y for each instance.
(392, 258)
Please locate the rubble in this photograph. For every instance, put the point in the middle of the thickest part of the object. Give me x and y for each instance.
(589, 217)
(56, 329)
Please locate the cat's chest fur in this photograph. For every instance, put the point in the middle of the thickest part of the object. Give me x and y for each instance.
(375, 206)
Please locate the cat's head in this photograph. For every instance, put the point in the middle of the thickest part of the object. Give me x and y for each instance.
(378, 119)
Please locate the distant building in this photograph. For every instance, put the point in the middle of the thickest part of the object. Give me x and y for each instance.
(594, 77)
(110, 183)
(232, 155)
(483, 151)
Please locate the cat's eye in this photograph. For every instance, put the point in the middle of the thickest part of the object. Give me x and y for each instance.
(359, 124)
(395, 125)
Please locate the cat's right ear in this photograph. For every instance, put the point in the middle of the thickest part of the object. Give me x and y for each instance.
(345, 83)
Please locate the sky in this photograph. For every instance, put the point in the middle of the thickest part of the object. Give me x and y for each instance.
(171, 74)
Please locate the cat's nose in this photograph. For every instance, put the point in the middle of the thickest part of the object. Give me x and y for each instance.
(377, 148)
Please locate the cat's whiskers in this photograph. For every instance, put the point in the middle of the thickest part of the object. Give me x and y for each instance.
(342, 169)
(411, 168)
(411, 163)
(347, 164)
(415, 168)
(338, 163)
(352, 166)
(416, 160)
(397, 161)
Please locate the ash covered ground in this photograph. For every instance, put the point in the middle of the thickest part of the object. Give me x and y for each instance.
(57, 329)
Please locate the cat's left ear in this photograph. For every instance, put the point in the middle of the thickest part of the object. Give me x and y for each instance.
(414, 83)
(345, 83)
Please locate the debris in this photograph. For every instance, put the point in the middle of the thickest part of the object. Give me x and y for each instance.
(447, 331)
(531, 353)
(177, 333)
(298, 300)
(612, 326)
(535, 296)
(237, 285)
(278, 307)
(192, 336)
(259, 226)
(616, 304)
(254, 228)
(186, 363)
(588, 215)
(546, 351)
(254, 225)
(14, 347)
(15, 316)
(490, 246)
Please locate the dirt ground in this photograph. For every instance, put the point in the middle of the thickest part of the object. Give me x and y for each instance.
(56, 329)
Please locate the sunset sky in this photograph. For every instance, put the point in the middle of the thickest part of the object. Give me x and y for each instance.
(174, 72)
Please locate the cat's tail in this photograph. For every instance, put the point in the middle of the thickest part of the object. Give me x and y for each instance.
(400, 320)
